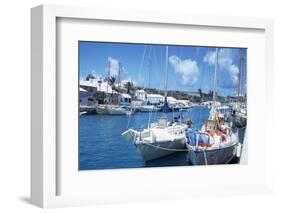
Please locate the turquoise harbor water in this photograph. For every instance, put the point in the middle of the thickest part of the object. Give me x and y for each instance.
(102, 146)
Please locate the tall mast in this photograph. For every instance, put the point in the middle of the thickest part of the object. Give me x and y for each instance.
(108, 77)
(119, 74)
(215, 80)
(166, 70)
(239, 76)
(149, 71)
(166, 106)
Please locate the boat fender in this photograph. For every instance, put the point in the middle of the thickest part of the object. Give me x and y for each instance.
(238, 150)
(153, 138)
(223, 138)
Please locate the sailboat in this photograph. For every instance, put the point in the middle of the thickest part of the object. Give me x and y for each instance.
(161, 138)
(149, 108)
(110, 109)
(239, 110)
(216, 142)
(146, 107)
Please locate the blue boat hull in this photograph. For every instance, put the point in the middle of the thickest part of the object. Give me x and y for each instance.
(209, 157)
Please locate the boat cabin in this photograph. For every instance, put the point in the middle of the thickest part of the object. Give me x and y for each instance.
(162, 122)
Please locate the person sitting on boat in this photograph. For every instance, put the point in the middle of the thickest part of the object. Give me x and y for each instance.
(189, 123)
(218, 122)
(220, 129)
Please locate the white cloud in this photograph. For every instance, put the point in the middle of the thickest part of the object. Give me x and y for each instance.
(229, 70)
(187, 68)
(234, 71)
(114, 66)
(224, 58)
(210, 58)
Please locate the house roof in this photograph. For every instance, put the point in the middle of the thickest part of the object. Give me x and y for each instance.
(154, 96)
(100, 84)
(140, 91)
(124, 95)
(172, 99)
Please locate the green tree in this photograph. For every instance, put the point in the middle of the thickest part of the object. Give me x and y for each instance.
(111, 80)
(129, 86)
(90, 76)
(99, 96)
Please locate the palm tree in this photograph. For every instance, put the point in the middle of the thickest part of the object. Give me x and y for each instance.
(90, 76)
(111, 80)
(100, 96)
(200, 93)
(129, 86)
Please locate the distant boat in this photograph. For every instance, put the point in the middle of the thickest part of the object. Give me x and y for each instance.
(223, 107)
(88, 109)
(158, 139)
(239, 114)
(102, 110)
(216, 142)
(83, 113)
(112, 110)
(239, 111)
(149, 108)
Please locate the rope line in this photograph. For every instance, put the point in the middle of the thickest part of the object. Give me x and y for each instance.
(167, 149)
(205, 157)
(230, 159)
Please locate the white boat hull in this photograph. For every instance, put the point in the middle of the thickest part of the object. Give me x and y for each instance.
(101, 110)
(117, 111)
(152, 151)
(148, 109)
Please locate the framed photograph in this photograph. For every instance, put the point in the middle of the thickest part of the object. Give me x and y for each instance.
(130, 106)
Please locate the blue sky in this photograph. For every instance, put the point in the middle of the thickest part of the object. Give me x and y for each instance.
(190, 67)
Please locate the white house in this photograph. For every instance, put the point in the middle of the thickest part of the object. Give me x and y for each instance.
(141, 95)
(155, 98)
(171, 100)
(95, 85)
(125, 99)
(84, 98)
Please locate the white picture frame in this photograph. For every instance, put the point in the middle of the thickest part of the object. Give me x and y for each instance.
(45, 170)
